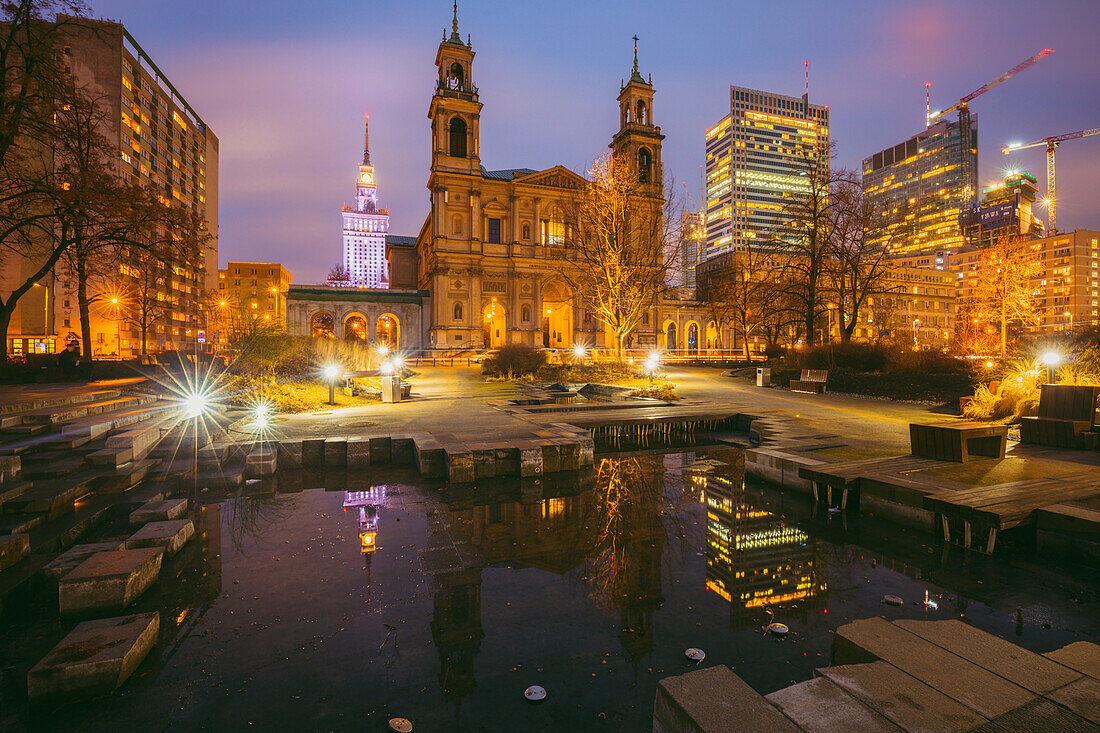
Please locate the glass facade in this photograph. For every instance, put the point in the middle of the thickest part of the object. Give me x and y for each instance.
(918, 190)
(756, 157)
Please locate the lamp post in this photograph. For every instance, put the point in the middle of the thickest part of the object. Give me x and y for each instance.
(118, 325)
(1052, 359)
(331, 373)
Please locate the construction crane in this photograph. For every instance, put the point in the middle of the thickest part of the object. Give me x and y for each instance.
(963, 106)
(1052, 143)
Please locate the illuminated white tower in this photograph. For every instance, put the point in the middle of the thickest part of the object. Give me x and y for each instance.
(365, 227)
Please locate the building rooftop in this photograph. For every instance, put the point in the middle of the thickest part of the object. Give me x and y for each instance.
(507, 174)
(394, 240)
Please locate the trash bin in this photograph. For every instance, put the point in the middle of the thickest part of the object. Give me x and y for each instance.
(391, 389)
(763, 377)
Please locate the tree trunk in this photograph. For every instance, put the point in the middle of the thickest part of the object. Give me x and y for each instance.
(84, 308)
(5, 319)
(619, 338)
(144, 335)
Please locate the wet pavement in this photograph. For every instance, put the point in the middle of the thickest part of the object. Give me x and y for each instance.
(339, 608)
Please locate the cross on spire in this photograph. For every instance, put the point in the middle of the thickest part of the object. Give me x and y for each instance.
(455, 38)
(454, 22)
(635, 53)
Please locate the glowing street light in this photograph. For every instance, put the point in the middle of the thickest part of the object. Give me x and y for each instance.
(578, 351)
(195, 404)
(1052, 359)
(332, 373)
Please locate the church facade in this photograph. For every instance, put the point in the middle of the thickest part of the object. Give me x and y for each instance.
(486, 268)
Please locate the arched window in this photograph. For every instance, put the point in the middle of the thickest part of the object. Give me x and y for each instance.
(456, 225)
(644, 165)
(526, 231)
(455, 76)
(645, 318)
(623, 114)
(458, 311)
(458, 137)
(525, 314)
(639, 113)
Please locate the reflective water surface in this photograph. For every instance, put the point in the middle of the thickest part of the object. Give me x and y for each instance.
(340, 607)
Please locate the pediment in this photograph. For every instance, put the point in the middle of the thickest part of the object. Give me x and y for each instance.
(557, 177)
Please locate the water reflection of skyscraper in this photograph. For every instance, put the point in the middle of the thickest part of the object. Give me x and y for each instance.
(755, 560)
(367, 502)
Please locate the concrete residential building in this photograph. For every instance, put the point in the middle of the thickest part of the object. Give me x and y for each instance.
(365, 227)
(258, 287)
(756, 156)
(918, 190)
(164, 145)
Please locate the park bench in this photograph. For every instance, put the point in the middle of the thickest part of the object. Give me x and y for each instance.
(1065, 412)
(958, 440)
(812, 380)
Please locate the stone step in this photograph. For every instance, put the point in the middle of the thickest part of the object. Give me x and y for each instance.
(69, 560)
(13, 490)
(108, 581)
(15, 410)
(103, 424)
(12, 549)
(711, 700)
(111, 457)
(39, 467)
(224, 477)
(124, 477)
(159, 510)
(819, 706)
(95, 658)
(23, 431)
(979, 689)
(170, 536)
(57, 416)
(1083, 656)
(19, 523)
(49, 497)
(905, 701)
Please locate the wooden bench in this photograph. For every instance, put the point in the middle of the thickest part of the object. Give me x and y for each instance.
(812, 380)
(1065, 412)
(958, 440)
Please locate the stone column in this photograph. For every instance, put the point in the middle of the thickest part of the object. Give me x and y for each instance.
(514, 214)
(475, 214)
(536, 237)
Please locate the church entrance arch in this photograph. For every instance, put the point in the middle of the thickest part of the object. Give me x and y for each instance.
(693, 338)
(494, 330)
(388, 332)
(321, 325)
(557, 316)
(355, 329)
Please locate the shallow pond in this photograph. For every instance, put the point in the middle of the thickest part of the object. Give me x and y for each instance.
(341, 607)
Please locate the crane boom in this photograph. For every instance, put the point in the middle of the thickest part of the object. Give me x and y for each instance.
(962, 103)
(1051, 143)
(1052, 140)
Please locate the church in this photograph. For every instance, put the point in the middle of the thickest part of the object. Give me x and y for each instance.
(485, 268)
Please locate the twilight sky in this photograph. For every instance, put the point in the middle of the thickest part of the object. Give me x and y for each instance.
(285, 84)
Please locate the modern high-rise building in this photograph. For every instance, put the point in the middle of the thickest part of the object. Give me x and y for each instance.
(918, 189)
(693, 246)
(757, 156)
(165, 146)
(1006, 208)
(365, 227)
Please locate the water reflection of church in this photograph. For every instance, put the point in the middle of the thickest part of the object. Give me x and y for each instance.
(756, 560)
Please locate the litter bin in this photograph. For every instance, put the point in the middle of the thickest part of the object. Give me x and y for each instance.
(391, 389)
(763, 377)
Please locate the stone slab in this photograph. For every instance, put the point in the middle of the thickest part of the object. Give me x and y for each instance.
(158, 511)
(1025, 668)
(108, 581)
(12, 549)
(1082, 697)
(977, 688)
(69, 560)
(819, 706)
(95, 658)
(460, 465)
(905, 701)
(381, 450)
(112, 457)
(402, 450)
(358, 452)
(1083, 656)
(313, 453)
(712, 700)
(170, 536)
(336, 452)
(530, 459)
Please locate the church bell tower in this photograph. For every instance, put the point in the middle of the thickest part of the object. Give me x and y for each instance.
(638, 139)
(455, 111)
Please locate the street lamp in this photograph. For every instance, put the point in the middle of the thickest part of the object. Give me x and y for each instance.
(332, 372)
(1052, 359)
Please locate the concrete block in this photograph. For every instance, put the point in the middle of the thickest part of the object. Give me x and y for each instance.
(261, 462)
(170, 536)
(569, 456)
(313, 453)
(429, 458)
(587, 455)
(358, 452)
(95, 658)
(819, 706)
(507, 459)
(402, 450)
(69, 560)
(291, 454)
(380, 450)
(485, 460)
(530, 459)
(158, 511)
(111, 457)
(336, 452)
(1083, 656)
(460, 465)
(12, 549)
(1082, 697)
(108, 581)
(712, 700)
(551, 456)
(140, 440)
(9, 468)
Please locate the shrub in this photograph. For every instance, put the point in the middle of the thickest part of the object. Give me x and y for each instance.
(514, 360)
(853, 356)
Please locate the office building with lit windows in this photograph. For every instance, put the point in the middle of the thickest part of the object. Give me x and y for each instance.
(166, 147)
(256, 288)
(757, 156)
(918, 189)
(365, 227)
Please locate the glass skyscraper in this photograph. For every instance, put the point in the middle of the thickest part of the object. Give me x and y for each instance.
(756, 157)
(918, 189)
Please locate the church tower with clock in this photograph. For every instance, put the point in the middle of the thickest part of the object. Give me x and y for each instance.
(365, 227)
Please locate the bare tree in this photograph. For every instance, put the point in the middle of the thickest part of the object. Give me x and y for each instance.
(338, 276)
(1001, 292)
(619, 244)
(859, 266)
(741, 287)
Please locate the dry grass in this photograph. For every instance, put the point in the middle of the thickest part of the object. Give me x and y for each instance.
(1018, 393)
(293, 397)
